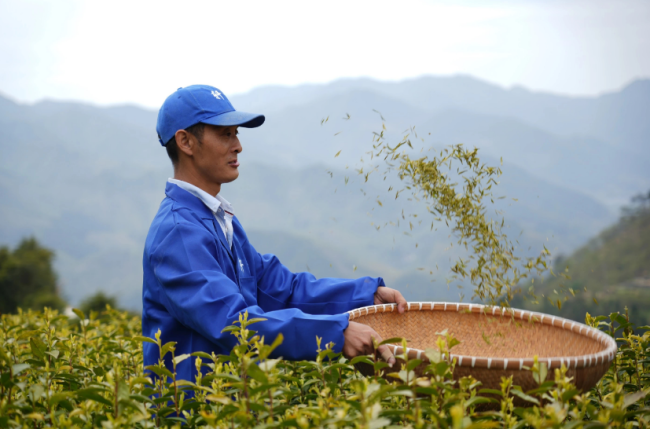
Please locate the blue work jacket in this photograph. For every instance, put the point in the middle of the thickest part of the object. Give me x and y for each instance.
(195, 285)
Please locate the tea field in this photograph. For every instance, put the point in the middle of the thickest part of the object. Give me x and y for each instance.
(84, 372)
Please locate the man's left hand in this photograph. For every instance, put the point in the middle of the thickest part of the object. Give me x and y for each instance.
(386, 295)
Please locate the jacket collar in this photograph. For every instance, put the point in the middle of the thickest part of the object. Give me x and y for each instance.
(184, 198)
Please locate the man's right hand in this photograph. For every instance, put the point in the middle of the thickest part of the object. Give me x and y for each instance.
(358, 342)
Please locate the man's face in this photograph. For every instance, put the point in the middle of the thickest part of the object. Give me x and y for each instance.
(216, 156)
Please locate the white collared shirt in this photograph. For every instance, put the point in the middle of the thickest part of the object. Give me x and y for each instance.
(221, 208)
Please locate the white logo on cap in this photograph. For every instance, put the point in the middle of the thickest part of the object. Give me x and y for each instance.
(216, 94)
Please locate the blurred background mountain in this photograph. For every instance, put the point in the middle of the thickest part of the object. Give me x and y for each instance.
(610, 272)
(86, 181)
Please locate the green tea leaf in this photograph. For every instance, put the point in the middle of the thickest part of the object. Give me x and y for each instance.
(144, 339)
(395, 340)
(522, 395)
(180, 358)
(38, 347)
(491, 392)
(364, 359)
(257, 374)
(18, 368)
(412, 364)
(92, 394)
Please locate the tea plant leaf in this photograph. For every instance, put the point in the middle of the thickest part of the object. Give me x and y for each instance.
(56, 398)
(363, 359)
(412, 364)
(53, 353)
(159, 371)
(219, 399)
(525, 397)
(395, 340)
(433, 355)
(256, 373)
(145, 381)
(228, 377)
(19, 367)
(476, 400)
(93, 394)
(491, 392)
(144, 339)
(203, 355)
(180, 358)
(38, 347)
(633, 398)
(80, 314)
(167, 348)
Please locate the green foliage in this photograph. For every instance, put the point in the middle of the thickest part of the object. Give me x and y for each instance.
(97, 302)
(60, 372)
(608, 273)
(27, 278)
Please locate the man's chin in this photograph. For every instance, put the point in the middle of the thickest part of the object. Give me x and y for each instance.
(231, 177)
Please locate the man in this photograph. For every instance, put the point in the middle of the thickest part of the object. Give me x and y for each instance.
(201, 272)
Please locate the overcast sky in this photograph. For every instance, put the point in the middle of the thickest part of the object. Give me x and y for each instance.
(108, 52)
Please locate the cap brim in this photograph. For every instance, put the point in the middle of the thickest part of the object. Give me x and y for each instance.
(235, 118)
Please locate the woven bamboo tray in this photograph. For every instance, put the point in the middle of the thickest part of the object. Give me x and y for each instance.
(495, 342)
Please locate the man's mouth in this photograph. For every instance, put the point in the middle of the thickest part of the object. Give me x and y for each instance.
(234, 163)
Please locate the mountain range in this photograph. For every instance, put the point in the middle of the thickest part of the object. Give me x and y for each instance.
(87, 180)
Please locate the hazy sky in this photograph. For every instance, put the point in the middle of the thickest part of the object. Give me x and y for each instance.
(116, 51)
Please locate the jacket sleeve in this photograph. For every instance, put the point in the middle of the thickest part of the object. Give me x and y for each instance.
(197, 293)
(279, 288)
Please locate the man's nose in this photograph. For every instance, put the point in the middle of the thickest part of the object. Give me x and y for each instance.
(238, 148)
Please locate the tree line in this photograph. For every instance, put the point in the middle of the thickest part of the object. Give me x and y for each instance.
(28, 280)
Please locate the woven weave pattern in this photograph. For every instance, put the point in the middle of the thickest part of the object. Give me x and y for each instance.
(496, 342)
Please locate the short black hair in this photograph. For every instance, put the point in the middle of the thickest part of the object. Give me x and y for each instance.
(172, 147)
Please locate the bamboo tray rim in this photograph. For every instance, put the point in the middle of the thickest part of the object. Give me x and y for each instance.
(583, 361)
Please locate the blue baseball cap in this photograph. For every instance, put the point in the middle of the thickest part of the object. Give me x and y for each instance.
(200, 104)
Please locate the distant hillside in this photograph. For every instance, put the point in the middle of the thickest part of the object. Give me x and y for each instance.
(610, 272)
(593, 145)
(619, 118)
(86, 181)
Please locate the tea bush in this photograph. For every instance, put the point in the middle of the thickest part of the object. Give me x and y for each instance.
(88, 372)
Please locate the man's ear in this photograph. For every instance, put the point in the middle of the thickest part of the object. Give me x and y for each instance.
(185, 141)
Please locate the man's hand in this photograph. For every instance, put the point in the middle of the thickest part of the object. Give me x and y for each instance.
(359, 337)
(386, 295)
(358, 342)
